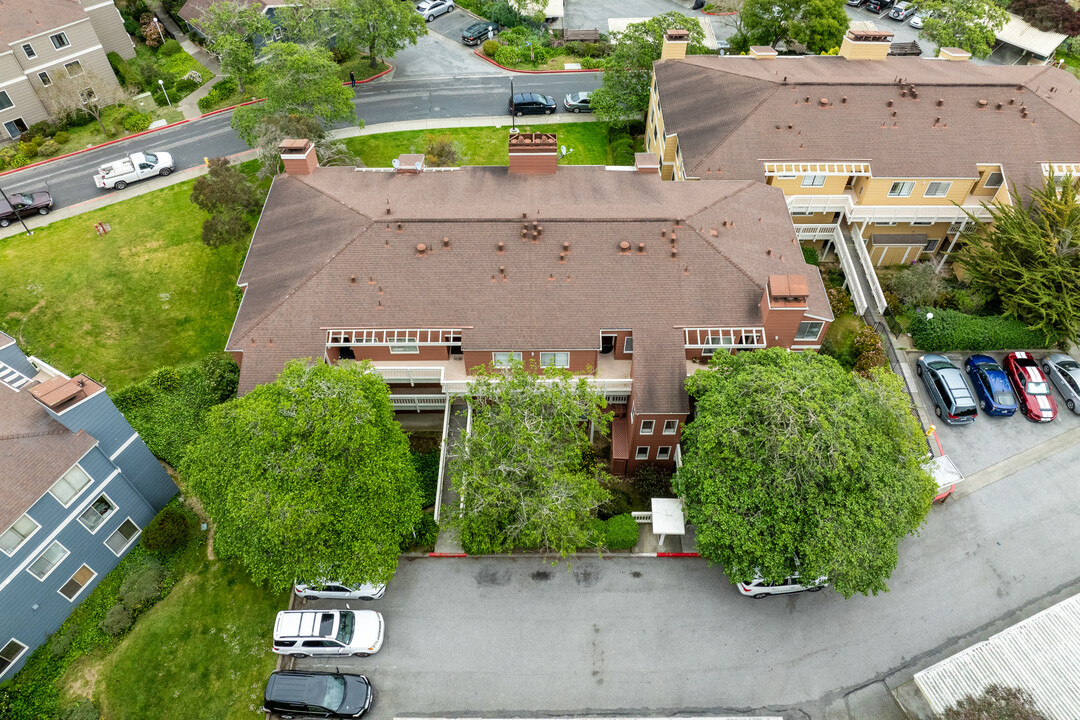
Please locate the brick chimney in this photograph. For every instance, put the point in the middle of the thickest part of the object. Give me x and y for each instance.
(646, 163)
(298, 156)
(534, 153)
(60, 393)
(865, 42)
(954, 54)
(675, 42)
(783, 307)
(762, 52)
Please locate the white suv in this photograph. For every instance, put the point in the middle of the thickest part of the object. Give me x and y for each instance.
(760, 588)
(339, 591)
(303, 633)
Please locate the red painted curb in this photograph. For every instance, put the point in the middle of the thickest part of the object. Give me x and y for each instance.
(231, 107)
(448, 555)
(389, 67)
(533, 72)
(683, 555)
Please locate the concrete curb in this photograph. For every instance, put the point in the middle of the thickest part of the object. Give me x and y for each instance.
(533, 72)
(448, 123)
(601, 556)
(389, 69)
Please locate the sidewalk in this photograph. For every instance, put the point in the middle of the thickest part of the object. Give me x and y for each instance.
(443, 123)
(190, 105)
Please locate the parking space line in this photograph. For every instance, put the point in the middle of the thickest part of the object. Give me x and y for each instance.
(1019, 461)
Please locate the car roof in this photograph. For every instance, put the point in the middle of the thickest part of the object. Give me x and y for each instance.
(480, 26)
(297, 687)
(305, 623)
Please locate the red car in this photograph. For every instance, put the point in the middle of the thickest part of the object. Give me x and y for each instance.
(1032, 387)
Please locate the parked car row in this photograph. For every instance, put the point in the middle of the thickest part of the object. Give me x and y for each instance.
(900, 11)
(431, 9)
(1023, 384)
(537, 104)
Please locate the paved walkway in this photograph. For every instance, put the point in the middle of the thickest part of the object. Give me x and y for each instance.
(190, 105)
(442, 123)
(448, 542)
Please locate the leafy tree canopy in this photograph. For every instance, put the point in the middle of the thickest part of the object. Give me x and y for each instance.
(968, 24)
(624, 94)
(790, 456)
(1029, 256)
(377, 26)
(230, 27)
(308, 477)
(524, 473)
(1050, 15)
(996, 703)
(818, 24)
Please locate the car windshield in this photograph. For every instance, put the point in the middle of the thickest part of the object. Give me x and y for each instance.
(345, 630)
(1004, 398)
(991, 367)
(151, 158)
(1038, 388)
(27, 199)
(939, 364)
(1069, 365)
(335, 692)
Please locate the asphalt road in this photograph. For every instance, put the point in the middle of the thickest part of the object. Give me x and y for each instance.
(505, 637)
(71, 179)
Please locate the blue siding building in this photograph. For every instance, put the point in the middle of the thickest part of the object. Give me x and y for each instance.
(77, 485)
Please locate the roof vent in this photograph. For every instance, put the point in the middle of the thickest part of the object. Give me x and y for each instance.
(940, 102)
(843, 100)
(824, 102)
(641, 247)
(624, 247)
(566, 246)
(421, 249)
(445, 242)
(983, 104)
(1000, 105)
(502, 246)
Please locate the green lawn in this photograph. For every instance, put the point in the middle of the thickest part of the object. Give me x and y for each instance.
(119, 306)
(202, 653)
(484, 145)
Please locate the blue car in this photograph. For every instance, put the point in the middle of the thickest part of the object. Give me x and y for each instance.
(996, 396)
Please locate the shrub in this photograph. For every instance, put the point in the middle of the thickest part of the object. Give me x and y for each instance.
(167, 530)
(424, 535)
(490, 46)
(427, 467)
(653, 481)
(159, 96)
(41, 130)
(48, 148)
(968, 300)
(82, 710)
(507, 55)
(953, 330)
(617, 504)
(61, 137)
(220, 90)
(621, 532)
(918, 284)
(839, 300)
(165, 379)
(342, 55)
(441, 152)
(137, 122)
(869, 351)
(76, 119)
(184, 86)
(591, 63)
(810, 255)
(225, 229)
(30, 147)
(117, 620)
(171, 47)
(60, 643)
(142, 584)
(219, 376)
(126, 74)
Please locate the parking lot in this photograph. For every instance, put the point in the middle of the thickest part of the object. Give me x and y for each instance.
(990, 440)
(901, 29)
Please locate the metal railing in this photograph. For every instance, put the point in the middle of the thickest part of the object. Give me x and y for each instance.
(868, 267)
(897, 367)
(815, 232)
(642, 518)
(442, 457)
(820, 203)
(915, 213)
(411, 375)
(419, 403)
(850, 272)
(614, 389)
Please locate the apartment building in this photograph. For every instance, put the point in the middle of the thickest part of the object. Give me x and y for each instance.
(430, 273)
(42, 39)
(887, 156)
(78, 484)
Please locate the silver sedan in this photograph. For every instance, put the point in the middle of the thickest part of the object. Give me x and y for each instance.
(1065, 373)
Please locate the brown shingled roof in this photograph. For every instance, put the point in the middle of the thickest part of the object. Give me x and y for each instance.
(19, 19)
(318, 232)
(731, 113)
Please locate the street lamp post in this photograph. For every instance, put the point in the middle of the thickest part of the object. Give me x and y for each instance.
(161, 34)
(162, 84)
(18, 214)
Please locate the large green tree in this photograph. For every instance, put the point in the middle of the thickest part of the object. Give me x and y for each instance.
(791, 456)
(968, 24)
(231, 28)
(818, 24)
(305, 22)
(1028, 255)
(624, 94)
(379, 27)
(525, 472)
(308, 477)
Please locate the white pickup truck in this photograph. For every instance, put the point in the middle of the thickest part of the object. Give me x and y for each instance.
(135, 167)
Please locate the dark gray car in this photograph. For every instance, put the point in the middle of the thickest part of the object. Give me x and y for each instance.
(1065, 372)
(949, 393)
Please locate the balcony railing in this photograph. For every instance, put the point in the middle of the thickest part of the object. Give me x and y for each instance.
(916, 213)
(815, 232)
(411, 375)
(868, 268)
(709, 339)
(820, 203)
(417, 403)
(615, 390)
(846, 262)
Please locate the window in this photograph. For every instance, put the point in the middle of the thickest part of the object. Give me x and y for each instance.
(932, 244)
(404, 349)
(278, 33)
(87, 95)
(937, 189)
(10, 653)
(17, 534)
(663, 453)
(48, 561)
(802, 213)
(647, 427)
(921, 223)
(788, 177)
(901, 189)
(124, 536)
(503, 359)
(813, 180)
(628, 345)
(77, 582)
(712, 341)
(59, 41)
(28, 49)
(642, 452)
(94, 515)
(70, 485)
(14, 128)
(555, 359)
(5, 101)
(43, 76)
(671, 427)
(73, 68)
(994, 180)
(809, 330)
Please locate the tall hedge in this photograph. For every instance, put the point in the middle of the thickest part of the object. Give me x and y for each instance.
(953, 330)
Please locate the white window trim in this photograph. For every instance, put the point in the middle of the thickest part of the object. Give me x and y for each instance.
(84, 585)
(674, 430)
(637, 452)
(786, 177)
(904, 185)
(25, 539)
(67, 41)
(47, 77)
(59, 562)
(76, 495)
(554, 361)
(8, 96)
(104, 520)
(921, 223)
(32, 50)
(60, 61)
(815, 336)
(404, 349)
(628, 340)
(946, 183)
(513, 355)
(989, 175)
(15, 659)
(813, 180)
(651, 430)
(663, 452)
(81, 69)
(138, 532)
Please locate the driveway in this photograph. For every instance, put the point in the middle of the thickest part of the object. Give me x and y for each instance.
(901, 30)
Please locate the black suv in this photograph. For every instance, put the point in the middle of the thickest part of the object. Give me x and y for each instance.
(478, 32)
(532, 104)
(317, 694)
(879, 5)
(26, 204)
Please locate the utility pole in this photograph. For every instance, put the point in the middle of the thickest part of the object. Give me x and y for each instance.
(17, 213)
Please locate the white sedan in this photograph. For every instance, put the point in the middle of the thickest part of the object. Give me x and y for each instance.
(916, 21)
(431, 9)
(339, 591)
